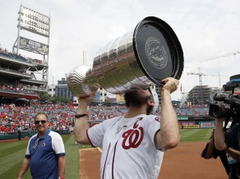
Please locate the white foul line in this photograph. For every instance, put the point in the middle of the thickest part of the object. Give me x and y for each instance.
(99, 149)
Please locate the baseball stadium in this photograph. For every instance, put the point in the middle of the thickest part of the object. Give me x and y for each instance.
(23, 83)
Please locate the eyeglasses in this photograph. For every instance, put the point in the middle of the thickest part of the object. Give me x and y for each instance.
(43, 122)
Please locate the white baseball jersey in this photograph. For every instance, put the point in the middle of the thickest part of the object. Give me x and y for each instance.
(128, 145)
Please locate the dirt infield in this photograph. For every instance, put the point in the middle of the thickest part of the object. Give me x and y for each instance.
(183, 162)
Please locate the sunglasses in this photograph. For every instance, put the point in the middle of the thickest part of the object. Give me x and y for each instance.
(43, 122)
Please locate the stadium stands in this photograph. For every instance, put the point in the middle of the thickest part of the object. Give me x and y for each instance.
(192, 111)
(62, 116)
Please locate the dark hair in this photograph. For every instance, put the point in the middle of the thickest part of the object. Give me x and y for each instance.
(134, 99)
(41, 113)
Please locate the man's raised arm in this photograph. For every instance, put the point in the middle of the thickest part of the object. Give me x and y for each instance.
(81, 120)
(168, 136)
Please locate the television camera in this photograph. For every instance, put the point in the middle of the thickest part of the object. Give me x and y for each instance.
(227, 101)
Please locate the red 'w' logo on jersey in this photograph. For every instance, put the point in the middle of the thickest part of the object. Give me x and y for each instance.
(133, 137)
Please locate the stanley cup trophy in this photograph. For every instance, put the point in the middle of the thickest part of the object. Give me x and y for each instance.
(136, 60)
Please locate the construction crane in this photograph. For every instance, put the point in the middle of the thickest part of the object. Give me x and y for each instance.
(221, 56)
(214, 58)
(200, 75)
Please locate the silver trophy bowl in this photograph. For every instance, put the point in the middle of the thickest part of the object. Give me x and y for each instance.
(138, 59)
(76, 81)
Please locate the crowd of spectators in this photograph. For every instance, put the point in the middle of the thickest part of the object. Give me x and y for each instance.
(13, 118)
(192, 111)
(16, 87)
(101, 112)
(5, 53)
(11, 55)
(61, 116)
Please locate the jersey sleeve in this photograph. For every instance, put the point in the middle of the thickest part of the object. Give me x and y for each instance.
(95, 134)
(153, 126)
(27, 154)
(57, 144)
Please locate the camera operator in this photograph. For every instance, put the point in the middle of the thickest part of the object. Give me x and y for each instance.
(229, 141)
(210, 152)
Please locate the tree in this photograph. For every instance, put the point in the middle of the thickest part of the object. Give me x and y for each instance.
(44, 97)
(55, 99)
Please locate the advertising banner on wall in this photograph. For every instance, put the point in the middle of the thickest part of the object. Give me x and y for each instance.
(207, 125)
(33, 46)
(182, 118)
(187, 123)
(120, 98)
(190, 126)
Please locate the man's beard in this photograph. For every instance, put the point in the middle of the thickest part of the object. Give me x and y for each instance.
(149, 110)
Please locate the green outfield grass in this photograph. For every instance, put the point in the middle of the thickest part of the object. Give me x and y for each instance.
(194, 135)
(12, 153)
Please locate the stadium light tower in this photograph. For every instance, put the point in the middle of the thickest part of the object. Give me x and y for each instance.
(33, 22)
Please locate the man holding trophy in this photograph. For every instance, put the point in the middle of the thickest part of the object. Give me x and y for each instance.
(133, 145)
